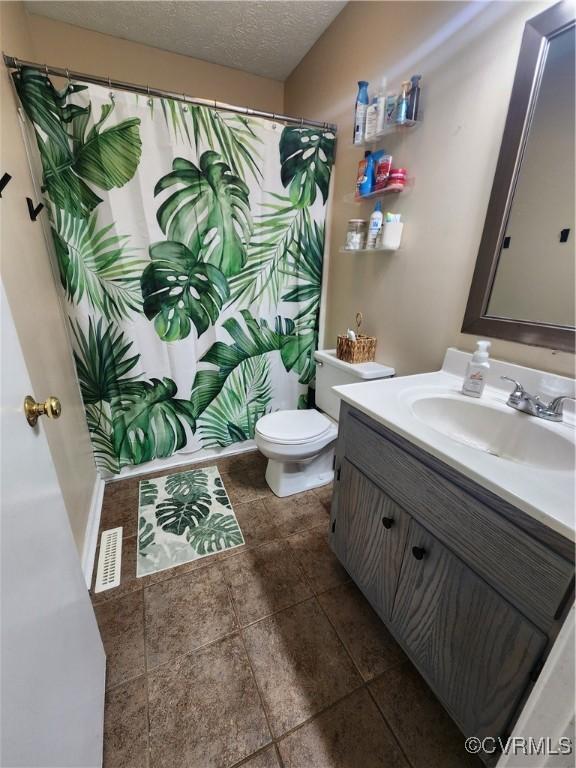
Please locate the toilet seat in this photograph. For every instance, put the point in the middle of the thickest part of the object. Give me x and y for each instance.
(293, 427)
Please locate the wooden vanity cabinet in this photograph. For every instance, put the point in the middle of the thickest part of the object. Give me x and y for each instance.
(369, 537)
(466, 588)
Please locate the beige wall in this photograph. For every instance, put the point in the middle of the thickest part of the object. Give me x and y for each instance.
(33, 298)
(64, 45)
(414, 300)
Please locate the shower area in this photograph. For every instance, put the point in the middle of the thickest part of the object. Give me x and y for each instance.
(188, 240)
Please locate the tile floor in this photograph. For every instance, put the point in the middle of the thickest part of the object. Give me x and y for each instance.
(262, 656)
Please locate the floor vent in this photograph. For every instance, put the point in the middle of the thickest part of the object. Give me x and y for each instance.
(109, 560)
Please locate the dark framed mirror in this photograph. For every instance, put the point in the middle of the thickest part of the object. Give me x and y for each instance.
(523, 288)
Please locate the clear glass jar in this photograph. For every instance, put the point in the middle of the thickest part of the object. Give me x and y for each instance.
(356, 234)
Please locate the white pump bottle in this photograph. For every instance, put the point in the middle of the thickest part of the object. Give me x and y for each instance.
(478, 367)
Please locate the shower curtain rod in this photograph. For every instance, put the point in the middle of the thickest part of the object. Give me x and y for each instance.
(13, 63)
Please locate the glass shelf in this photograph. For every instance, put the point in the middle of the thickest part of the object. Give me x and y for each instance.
(352, 198)
(368, 250)
(390, 129)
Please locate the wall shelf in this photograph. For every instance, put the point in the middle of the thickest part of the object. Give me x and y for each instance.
(368, 250)
(393, 128)
(352, 197)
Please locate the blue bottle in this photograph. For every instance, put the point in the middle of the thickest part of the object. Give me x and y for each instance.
(362, 101)
(367, 184)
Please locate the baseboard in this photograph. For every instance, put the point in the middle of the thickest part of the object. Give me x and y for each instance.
(182, 460)
(91, 535)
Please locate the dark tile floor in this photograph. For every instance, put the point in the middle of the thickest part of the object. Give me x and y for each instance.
(262, 656)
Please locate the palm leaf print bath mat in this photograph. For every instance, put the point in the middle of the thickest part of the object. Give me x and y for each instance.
(184, 517)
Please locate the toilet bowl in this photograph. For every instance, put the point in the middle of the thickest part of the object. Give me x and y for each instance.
(299, 445)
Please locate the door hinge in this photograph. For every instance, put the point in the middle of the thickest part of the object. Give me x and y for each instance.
(338, 474)
(334, 525)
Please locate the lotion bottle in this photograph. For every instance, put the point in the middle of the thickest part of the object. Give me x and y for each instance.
(372, 119)
(375, 225)
(478, 367)
(381, 123)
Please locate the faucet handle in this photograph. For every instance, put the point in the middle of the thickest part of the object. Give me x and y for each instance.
(556, 406)
(518, 391)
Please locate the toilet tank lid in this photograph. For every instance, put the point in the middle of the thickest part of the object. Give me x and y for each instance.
(361, 370)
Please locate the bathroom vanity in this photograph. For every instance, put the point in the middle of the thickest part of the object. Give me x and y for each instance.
(472, 575)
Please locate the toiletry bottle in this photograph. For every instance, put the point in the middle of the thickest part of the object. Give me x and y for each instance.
(362, 102)
(477, 370)
(372, 119)
(382, 169)
(402, 103)
(361, 177)
(390, 108)
(367, 184)
(375, 225)
(414, 98)
(381, 124)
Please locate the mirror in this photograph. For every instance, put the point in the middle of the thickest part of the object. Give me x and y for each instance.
(524, 282)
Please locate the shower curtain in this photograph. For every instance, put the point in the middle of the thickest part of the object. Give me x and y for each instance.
(189, 245)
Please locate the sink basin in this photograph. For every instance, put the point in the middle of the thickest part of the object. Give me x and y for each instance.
(499, 431)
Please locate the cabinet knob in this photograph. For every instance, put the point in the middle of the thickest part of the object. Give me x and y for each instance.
(388, 522)
(418, 552)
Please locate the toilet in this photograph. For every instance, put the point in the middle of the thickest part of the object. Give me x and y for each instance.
(299, 445)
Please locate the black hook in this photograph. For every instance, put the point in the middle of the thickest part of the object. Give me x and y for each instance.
(4, 181)
(33, 212)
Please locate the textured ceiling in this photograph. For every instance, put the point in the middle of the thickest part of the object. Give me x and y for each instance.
(266, 38)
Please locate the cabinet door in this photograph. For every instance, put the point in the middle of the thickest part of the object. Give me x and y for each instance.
(369, 533)
(475, 650)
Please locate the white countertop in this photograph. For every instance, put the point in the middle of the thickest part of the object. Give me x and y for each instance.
(547, 494)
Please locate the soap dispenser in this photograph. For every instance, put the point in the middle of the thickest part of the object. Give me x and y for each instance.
(477, 370)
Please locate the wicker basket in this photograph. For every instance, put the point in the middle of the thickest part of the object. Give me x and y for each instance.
(362, 350)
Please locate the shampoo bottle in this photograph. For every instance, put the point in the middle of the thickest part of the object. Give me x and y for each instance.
(367, 184)
(478, 367)
(362, 101)
(375, 225)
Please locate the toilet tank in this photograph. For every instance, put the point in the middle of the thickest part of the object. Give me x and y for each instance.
(331, 372)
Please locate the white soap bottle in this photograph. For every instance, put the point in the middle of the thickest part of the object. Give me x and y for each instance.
(477, 370)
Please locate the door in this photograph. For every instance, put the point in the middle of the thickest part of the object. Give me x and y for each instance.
(52, 659)
(369, 536)
(475, 650)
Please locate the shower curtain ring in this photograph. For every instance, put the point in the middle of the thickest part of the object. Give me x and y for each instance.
(16, 64)
(185, 107)
(301, 122)
(68, 76)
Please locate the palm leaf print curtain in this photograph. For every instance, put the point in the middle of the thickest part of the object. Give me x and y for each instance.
(189, 245)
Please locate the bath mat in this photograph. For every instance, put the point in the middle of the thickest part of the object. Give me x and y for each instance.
(184, 517)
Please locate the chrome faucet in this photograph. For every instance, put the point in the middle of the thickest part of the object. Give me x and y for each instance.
(532, 405)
